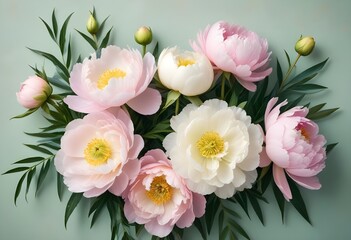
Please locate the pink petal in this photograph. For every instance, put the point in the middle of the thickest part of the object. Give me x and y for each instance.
(199, 204)
(119, 185)
(264, 159)
(146, 103)
(248, 85)
(79, 104)
(158, 230)
(186, 219)
(307, 182)
(281, 181)
(138, 145)
(95, 192)
(131, 168)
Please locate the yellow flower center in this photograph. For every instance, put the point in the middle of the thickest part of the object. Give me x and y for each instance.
(108, 75)
(303, 132)
(185, 62)
(210, 144)
(160, 191)
(97, 152)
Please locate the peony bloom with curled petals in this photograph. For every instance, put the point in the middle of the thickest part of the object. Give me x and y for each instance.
(215, 148)
(236, 50)
(294, 146)
(99, 153)
(190, 73)
(118, 77)
(159, 198)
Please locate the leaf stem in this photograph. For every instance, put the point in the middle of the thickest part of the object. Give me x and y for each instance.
(144, 50)
(289, 72)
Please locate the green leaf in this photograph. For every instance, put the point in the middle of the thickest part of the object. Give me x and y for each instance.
(200, 224)
(172, 96)
(155, 51)
(280, 200)
(88, 39)
(279, 73)
(241, 198)
(321, 114)
(256, 206)
(297, 201)
(194, 100)
(71, 205)
(308, 88)
(53, 59)
(238, 228)
(39, 149)
(330, 147)
(224, 233)
(105, 40)
(27, 113)
(69, 54)
(49, 30)
(101, 28)
(18, 188)
(29, 179)
(60, 185)
(46, 135)
(62, 40)
(15, 170)
(212, 207)
(29, 160)
(316, 108)
(54, 23)
(42, 175)
(288, 58)
(56, 80)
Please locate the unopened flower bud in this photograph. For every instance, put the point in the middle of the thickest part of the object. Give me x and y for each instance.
(143, 36)
(304, 46)
(92, 25)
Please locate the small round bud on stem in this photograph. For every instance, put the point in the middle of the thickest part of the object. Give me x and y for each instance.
(143, 36)
(92, 25)
(304, 46)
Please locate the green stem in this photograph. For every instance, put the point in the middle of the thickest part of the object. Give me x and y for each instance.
(96, 41)
(144, 50)
(289, 72)
(223, 87)
(176, 111)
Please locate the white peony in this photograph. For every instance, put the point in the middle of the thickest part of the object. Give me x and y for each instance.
(190, 73)
(215, 148)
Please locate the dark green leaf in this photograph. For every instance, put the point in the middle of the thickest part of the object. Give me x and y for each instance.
(42, 175)
(223, 233)
(256, 206)
(212, 207)
(88, 39)
(57, 81)
(238, 228)
(29, 180)
(101, 28)
(29, 160)
(280, 200)
(321, 114)
(62, 40)
(97, 212)
(39, 149)
(51, 145)
(308, 88)
(297, 201)
(155, 51)
(279, 73)
(316, 108)
(241, 198)
(330, 147)
(46, 135)
(14, 170)
(49, 30)
(69, 55)
(53, 59)
(54, 23)
(71, 205)
(28, 112)
(18, 188)
(105, 40)
(60, 185)
(200, 224)
(288, 58)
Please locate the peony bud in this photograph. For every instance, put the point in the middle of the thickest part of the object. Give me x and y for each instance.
(143, 36)
(304, 45)
(33, 92)
(92, 25)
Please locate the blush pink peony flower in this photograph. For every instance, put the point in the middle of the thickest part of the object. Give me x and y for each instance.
(234, 49)
(294, 147)
(99, 153)
(118, 77)
(33, 92)
(159, 198)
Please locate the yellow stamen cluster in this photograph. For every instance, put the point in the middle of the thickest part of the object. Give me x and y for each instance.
(210, 144)
(97, 152)
(160, 191)
(108, 75)
(185, 62)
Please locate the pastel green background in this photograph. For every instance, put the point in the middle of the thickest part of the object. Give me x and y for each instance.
(174, 22)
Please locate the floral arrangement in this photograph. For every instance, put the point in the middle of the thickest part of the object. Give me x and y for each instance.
(177, 139)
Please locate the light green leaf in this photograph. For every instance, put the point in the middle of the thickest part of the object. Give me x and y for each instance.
(172, 96)
(27, 113)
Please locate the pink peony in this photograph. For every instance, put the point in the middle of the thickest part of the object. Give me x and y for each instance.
(99, 153)
(159, 198)
(33, 92)
(294, 147)
(118, 77)
(234, 49)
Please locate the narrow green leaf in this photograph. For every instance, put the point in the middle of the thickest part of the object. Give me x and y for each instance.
(29, 160)
(308, 72)
(288, 58)
(200, 224)
(63, 30)
(88, 39)
(297, 201)
(15, 170)
(194, 100)
(105, 40)
(46, 135)
(60, 185)
(56, 80)
(238, 228)
(101, 28)
(212, 207)
(330, 147)
(316, 108)
(51, 33)
(256, 206)
(321, 114)
(39, 149)
(69, 54)
(280, 200)
(96, 215)
(53, 59)
(279, 73)
(18, 188)
(29, 180)
(71, 205)
(42, 175)
(155, 51)
(223, 234)
(241, 198)
(27, 113)
(54, 23)
(51, 145)
(308, 88)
